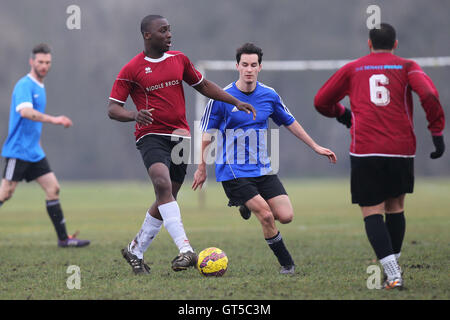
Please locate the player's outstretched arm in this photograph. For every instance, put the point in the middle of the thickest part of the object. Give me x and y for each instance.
(200, 174)
(117, 112)
(297, 130)
(213, 91)
(32, 114)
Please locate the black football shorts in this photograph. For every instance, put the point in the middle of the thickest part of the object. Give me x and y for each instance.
(240, 190)
(375, 179)
(172, 151)
(18, 170)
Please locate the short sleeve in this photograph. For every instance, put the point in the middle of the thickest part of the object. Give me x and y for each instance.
(281, 114)
(191, 75)
(122, 86)
(213, 116)
(23, 95)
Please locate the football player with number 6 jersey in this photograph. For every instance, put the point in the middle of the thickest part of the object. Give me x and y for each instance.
(383, 144)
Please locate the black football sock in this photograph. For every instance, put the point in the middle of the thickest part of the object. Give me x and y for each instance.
(378, 235)
(279, 249)
(56, 215)
(396, 226)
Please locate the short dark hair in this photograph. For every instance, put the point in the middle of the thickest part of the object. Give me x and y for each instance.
(383, 37)
(249, 48)
(40, 48)
(145, 23)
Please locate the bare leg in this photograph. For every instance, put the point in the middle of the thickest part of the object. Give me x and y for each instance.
(50, 185)
(168, 209)
(282, 208)
(7, 189)
(266, 217)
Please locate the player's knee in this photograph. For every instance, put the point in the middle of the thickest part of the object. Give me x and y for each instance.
(53, 191)
(394, 204)
(284, 219)
(267, 217)
(162, 186)
(6, 193)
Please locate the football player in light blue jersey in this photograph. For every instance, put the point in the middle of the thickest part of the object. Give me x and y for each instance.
(24, 156)
(242, 164)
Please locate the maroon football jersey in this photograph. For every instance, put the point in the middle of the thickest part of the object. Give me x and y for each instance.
(380, 87)
(157, 84)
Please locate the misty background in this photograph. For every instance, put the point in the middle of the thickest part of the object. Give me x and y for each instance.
(86, 62)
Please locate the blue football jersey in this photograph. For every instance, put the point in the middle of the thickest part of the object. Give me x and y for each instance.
(241, 141)
(23, 141)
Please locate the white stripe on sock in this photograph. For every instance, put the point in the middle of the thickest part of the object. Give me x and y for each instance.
(274, 240)
(52, 203)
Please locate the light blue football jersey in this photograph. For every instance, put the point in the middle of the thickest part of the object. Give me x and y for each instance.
(242, 142)
(23, 141)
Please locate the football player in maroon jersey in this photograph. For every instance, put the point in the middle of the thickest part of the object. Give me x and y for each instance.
(383, 145)
(153, 79)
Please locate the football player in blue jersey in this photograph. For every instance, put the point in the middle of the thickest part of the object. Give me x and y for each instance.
(22, 151)
(242, 164)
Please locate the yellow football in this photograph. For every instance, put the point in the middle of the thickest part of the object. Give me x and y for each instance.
(212, 262)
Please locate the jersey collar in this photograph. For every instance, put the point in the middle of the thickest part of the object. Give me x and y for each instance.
(246, 93)
(164, 57)
(35, 80)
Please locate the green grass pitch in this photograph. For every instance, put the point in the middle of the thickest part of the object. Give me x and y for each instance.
(326, 239)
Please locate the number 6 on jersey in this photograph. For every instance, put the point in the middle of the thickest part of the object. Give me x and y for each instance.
(379, 95)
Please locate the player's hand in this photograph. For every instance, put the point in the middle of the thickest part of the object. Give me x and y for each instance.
(327, 153)
(438, 142)
(346, 118)
(144, 117)
(199, 177)
(246, 108)
(64, 121)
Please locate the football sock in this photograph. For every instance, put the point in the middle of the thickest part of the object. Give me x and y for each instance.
(56, 215)
(149, 230)
(170, 212)
(396, 226)
(378, 235)
(1, 202)
(279, 249)
(391, 267)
